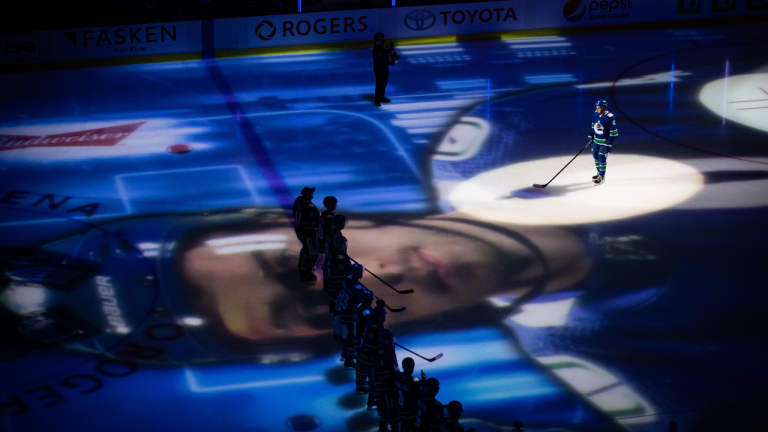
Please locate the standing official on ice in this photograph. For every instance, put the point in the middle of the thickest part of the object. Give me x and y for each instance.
(603, 133)
(382, 58)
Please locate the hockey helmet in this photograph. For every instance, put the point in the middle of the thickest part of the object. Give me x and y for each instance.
(432, 386)
(379, 314)
(455, 409)
(339, 222)
(408, 364)
(356, 272)
(380, 304)
(378, 35)
(330, 201)
(366, 296)
(601, 103)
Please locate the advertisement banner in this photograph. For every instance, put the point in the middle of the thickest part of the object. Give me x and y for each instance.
(19, 47)
(354, 25)
(460, 18)
(572, 13)
(343, 26)
(124, 41)
(691, 9)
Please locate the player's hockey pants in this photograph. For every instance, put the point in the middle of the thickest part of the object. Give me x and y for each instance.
(408, 424)
(600, 153)
(365, 370)
(307, 256)
(361, 374)
(382, 76)
(385, 405)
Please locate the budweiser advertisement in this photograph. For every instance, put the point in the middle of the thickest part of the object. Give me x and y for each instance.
(108, 136)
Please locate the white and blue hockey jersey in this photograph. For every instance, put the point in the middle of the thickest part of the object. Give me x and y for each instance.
(604, 128)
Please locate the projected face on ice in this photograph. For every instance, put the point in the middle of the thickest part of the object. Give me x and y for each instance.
(246, 280)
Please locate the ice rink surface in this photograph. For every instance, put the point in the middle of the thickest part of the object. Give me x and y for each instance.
(153, 279)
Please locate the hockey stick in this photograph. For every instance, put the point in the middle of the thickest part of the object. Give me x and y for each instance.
(429, 360)
(385, 304)
(390, 309)
(408, 291)
(536, 185)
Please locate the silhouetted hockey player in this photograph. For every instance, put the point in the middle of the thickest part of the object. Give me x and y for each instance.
(366, 355)
(339, 264)
(326, 235)
(384, 371)
(346, 305)
(429, 415)
(409, 389)
(451, 424)
(307, 225)
(363, 315)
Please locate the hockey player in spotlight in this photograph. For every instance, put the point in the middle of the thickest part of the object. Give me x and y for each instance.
(603, 132)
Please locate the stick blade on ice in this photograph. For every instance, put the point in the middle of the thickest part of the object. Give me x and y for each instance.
(437, 356)
(536, 185)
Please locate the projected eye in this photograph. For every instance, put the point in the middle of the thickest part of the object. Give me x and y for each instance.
(464, 139)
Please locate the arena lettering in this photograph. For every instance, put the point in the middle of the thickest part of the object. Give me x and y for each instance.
(484, 15)
(20, 197)
(609, 5)
(123, 365)
(110, 306)
(120, 36)
(322, 26)
(609, 16)
(13, 48)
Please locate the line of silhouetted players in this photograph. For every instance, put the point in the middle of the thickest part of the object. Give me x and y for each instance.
(404, 402)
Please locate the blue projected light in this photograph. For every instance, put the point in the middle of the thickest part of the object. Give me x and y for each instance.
(149, 260)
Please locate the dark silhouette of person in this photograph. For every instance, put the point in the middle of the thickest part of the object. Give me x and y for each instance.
(382, 58)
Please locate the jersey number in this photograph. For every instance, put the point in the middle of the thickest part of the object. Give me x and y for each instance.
(341, 300)
(401, 401)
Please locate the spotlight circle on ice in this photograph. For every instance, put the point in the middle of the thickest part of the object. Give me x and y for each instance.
(738, 98)
(303, 422)
(179, 149)
(636, 185)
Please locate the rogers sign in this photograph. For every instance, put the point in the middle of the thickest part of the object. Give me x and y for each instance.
(265, 30)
